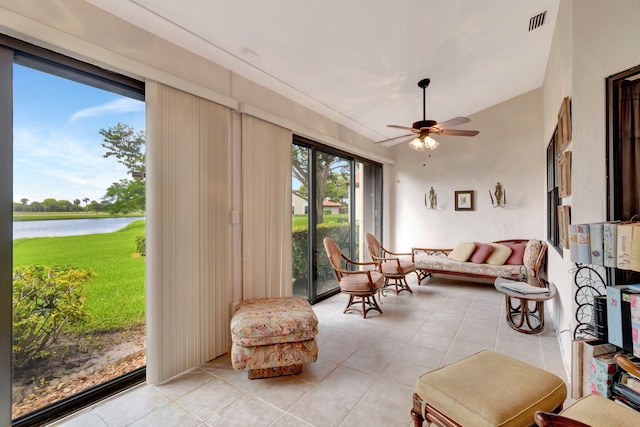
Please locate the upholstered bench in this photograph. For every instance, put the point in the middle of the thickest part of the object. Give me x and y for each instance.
(273, 336)
(504, 260)
(486, 389)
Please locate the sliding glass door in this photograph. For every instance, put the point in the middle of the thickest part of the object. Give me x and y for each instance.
(335, 196)
(78, 233)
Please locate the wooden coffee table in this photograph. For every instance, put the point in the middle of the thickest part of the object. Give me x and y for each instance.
(525, 312)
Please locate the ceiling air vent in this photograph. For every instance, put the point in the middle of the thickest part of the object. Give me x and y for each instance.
(537, 21)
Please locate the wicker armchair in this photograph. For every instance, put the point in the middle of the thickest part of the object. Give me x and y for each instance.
(391, 265)
(360, 285)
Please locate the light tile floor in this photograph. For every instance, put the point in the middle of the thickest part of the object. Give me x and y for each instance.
(365, 373)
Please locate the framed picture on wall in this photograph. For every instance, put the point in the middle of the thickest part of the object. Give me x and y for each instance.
(464, 200)
(564, 174)
(564, 125)
(564, 219)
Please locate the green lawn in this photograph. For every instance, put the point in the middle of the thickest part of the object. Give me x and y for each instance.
(301, 220)
(116, 296)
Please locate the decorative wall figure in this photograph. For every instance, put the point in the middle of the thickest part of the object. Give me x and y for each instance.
(501, 196)
(432, 201)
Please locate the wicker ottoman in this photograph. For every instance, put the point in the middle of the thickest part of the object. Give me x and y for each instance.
(273, 336)
(486, 389)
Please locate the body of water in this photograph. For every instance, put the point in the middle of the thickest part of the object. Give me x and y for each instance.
(69, 227)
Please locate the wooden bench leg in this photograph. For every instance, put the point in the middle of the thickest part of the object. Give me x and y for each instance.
(416, 411)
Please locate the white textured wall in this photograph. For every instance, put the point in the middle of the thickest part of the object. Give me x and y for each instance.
(507, 150)
(593, 40)
(557, 85)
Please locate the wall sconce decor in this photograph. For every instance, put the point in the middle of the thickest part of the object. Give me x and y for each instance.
(431, 201)
(501, 196)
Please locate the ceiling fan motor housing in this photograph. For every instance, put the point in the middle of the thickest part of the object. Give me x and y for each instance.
(421, 124)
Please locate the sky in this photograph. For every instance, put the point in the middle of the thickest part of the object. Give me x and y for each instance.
(57, 151)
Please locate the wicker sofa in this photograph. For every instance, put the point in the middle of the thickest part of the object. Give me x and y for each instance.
(430, 261)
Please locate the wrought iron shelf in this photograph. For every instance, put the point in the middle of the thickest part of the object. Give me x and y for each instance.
(590, 281)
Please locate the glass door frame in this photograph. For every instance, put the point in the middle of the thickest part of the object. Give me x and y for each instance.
(313, 247)
(23, 53)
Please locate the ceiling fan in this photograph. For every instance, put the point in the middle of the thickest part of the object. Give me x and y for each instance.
(421, 129)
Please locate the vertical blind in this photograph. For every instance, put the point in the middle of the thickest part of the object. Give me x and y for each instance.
(188, 291)
(266, 206)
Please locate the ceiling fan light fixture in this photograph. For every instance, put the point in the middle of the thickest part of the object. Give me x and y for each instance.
(417, 144)
(430, 143)
(421, 129)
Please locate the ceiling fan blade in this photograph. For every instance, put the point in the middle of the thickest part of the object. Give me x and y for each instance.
(404, 128)
(459, 132)
(402, 141)
(454, 122)
(394, 138)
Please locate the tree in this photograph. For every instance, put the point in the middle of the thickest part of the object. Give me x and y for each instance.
(24, 203)
(86, 201)
(77, 202)
(332, 176)
(125, 196)
(49, 204)
(337, 186)
(62, 206)
(95, 206)
(127, 146)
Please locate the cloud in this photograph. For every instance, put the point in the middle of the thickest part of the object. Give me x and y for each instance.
(125, 105)
(63, 166)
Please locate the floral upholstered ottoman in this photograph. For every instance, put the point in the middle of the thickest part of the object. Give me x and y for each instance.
(273, 336)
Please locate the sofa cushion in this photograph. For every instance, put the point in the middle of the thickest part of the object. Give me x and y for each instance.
(531, 252)
(442, 264)
(499, 255)
(463, 251)
(482, 252)
(262, 321)
(517, 253)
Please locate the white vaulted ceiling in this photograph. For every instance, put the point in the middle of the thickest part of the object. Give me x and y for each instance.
(359, 61)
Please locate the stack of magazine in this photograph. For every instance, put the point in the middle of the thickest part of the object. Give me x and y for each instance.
(626, 390)
(522, 287)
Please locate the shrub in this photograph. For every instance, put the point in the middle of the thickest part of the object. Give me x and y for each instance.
(45, 301)
(141, 245)
(339, 233)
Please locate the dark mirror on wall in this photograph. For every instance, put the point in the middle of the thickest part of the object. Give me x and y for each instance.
(553, 235)
(623, 153)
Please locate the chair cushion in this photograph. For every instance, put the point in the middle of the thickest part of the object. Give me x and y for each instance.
(262, 321)
(596, 410)
(391, 267)
(491, 389)
(360, 282)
